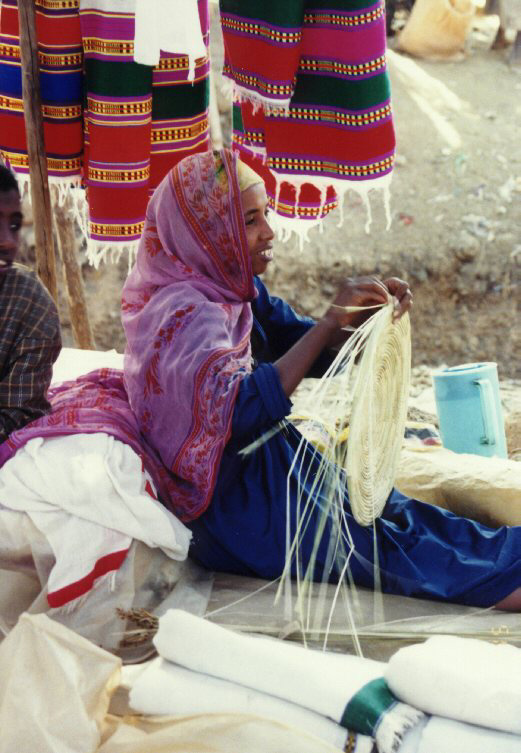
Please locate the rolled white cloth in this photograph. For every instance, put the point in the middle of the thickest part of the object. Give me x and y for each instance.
(167, 689)
(461, 678)
(347, 689)
(441, 735)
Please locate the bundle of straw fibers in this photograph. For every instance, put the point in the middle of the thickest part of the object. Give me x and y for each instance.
(378, 416)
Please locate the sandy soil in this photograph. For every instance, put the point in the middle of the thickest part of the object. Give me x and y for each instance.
(456, 209)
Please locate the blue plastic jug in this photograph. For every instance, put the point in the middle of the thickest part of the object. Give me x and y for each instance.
(469, 409)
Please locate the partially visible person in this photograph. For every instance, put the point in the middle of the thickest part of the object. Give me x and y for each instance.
(509, 12)
(30, 339)
(392, 8)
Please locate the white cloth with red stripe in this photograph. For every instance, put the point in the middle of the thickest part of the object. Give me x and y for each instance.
(89, 496)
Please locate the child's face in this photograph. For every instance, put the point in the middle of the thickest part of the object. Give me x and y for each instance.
(10, 224)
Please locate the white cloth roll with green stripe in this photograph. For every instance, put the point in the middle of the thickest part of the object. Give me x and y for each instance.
(165, 688)
(347, 689)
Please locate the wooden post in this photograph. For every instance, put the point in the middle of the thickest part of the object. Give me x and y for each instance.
(78, 312)
(41, 200)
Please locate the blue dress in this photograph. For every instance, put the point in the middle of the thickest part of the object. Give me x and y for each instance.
(423, 551)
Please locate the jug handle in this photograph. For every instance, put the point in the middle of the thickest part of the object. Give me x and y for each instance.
(490, 424)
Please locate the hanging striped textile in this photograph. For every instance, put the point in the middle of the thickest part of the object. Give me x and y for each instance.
(61, 65)
(317, 68)
(115, 124)
(139, 121)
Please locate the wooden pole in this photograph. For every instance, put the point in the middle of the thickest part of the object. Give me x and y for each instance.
(78, 312)
(41, 200)
(216, 134)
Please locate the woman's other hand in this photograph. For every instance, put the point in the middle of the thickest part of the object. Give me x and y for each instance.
(401, 292)
(329, 331)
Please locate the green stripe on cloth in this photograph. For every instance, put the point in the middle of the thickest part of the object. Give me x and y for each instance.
(238, 123)
(353, 5)
(366, 708)
(349, 95)
(118, 79)
(180, 101)
(286, 13)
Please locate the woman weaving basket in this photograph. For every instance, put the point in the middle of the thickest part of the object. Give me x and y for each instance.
(211, 363)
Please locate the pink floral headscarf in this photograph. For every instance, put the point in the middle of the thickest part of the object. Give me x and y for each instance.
(188, 320)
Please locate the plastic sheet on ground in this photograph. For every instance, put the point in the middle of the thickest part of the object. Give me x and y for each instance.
(55, 689)
(382, 622)
(145, 580)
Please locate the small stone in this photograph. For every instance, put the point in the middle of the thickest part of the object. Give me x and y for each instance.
(468, 246)
(506, 190)
(400, 160)
(501, 209)
(441, 197)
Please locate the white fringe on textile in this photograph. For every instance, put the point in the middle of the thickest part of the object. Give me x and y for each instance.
(286, 226)
(60, 188)
(100, 251)
(275, 106)
(394, 724)
(63, 192)
(69, 191)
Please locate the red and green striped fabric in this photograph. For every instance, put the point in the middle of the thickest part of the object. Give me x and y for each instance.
(337, 131)
(139, 121)
(61, 64)
(113, 124)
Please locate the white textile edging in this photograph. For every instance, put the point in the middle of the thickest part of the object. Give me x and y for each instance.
(242, 94)
(100, 251)
(169, 25)
(436, 734)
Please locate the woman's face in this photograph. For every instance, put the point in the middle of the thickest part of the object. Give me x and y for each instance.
(258, 231)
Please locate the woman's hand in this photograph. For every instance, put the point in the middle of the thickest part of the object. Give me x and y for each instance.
(366, 292)
(400, 291)
(328, 332)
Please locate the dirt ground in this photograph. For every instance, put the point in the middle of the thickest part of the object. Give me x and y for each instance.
(456, 209)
